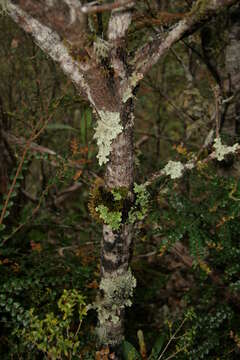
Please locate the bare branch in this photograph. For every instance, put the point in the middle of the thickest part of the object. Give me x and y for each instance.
(41, 149)
(63, 16)
(50, 42)
(201, 13)
(95, 8)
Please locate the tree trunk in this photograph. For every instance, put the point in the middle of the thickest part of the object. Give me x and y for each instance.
(117, 281)
(230, 117)
(231, 126)
(5, 163)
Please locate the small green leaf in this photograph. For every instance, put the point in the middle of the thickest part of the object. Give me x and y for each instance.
(2, 227)
(6, 214)
(129, 351)
(157, 347)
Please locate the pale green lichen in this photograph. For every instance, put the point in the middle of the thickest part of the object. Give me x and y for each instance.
(222, 150)
(108, 128)
(140, 208)
(3, 7)
(105, 336)
(101, 49)
(118, 290)
(200, 8)
(127, 94)
(111, 218)
(190, 165)
(117, 195)
(133, 81)
(174, 169)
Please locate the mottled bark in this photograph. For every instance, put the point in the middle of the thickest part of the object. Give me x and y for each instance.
(117, 245)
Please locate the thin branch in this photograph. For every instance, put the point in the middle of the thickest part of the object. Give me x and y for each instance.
(172, 338)
(34, 211)
(186, 167)
(40, 149)
(34, 136)
(93, 8)
(150, 53)
(182, 252)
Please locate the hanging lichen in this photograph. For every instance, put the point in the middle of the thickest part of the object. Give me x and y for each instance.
(108, 128)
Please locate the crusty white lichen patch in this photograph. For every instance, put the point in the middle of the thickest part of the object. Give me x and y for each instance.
(222, 150)
(107, 129)
(174, 169)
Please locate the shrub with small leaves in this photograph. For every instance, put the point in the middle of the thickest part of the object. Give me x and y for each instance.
(55, 335)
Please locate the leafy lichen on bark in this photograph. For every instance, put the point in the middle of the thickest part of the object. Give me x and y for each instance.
(222, 150)
(106, 205)
(118, 291)
(108, 128)
(174, 169)
(111, 218)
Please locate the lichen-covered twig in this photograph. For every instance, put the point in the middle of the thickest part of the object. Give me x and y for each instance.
(176, 169)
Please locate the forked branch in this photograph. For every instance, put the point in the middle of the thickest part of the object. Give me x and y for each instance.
(202, 12)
